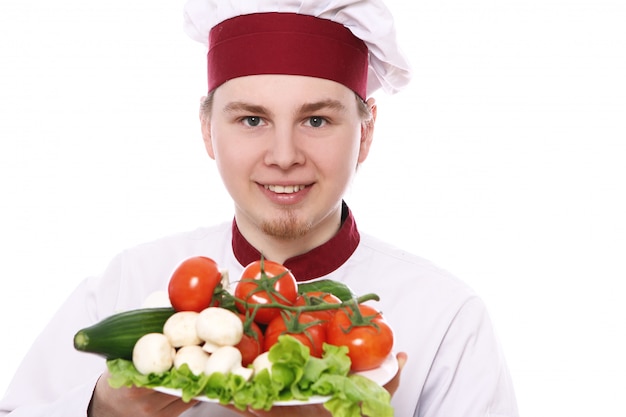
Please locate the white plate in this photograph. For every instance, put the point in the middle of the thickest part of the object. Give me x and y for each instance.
(381, 375)
(314, 399)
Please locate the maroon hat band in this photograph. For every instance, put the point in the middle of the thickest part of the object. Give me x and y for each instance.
(286, 43)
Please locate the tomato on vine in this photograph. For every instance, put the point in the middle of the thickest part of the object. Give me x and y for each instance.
(314, 298)
(251, 344)
(193, 283)
(366, 334)
(303, 327)
(265, 282)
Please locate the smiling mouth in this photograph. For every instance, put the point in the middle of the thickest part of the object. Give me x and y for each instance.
(284, 189)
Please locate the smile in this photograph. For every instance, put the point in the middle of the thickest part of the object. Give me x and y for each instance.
(285, 189)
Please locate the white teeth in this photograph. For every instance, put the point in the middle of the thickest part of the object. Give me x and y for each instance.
(284, 189)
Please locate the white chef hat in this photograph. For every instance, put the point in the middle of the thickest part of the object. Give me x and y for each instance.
(349, 41)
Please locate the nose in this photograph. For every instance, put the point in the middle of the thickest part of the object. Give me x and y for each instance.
(284, 149)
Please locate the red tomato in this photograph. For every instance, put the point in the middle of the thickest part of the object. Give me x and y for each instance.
(315, 298)
(192, 284)
(307, 329)
(251, 344)
(264, 282)
(369, 343)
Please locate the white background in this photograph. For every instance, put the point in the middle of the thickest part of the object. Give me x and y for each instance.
(503, 162)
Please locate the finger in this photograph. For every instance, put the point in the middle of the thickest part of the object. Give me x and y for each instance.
(402, 357)
(392, 386)
(177, 407)
(316, 410)
(160, 403)
(247, 413)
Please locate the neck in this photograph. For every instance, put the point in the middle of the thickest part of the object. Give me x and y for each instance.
(278, 248)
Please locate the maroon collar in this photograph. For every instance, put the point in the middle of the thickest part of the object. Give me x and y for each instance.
(315, 263)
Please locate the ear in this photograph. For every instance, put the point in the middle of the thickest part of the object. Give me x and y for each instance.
(205, 126)
(367, 131)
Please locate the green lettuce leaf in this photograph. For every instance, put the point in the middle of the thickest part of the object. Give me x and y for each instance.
(124, 374)
(295, 375)
(355, 396)
(260, 394)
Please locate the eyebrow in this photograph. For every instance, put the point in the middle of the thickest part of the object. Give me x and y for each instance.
(323, 104)
(240, 106)
(307, 108)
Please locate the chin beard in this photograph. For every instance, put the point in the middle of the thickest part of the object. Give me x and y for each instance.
(288, 227)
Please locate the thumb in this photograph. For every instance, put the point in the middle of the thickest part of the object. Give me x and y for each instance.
(402, 357)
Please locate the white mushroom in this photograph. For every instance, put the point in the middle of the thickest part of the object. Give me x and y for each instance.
(245, 373)
(210, 347)
(180, 329)
(193, 356)
(224, 360)
(225, 281)
(262, 362)
(153, 354)
(219, 327)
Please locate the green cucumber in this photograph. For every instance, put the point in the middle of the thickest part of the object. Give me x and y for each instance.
(115, 336)
(338, 289)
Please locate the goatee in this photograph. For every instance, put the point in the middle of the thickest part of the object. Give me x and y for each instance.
(287, 227)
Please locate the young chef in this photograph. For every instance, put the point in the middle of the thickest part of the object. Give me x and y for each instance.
(287, 119)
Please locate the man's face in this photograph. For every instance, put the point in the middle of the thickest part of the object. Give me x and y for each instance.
(287, 148)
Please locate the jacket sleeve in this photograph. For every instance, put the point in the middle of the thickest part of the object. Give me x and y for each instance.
(468, 376)
(54, 379)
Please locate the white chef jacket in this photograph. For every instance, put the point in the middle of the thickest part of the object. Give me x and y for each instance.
(455, 367)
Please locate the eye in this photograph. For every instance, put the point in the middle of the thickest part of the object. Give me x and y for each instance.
(252, 121)
(316, 121)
